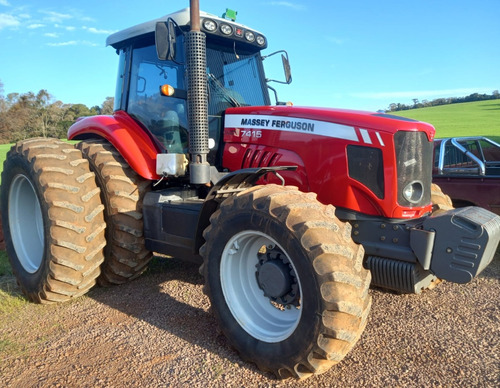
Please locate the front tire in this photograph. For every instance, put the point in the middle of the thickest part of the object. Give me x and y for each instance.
(52, 219)
(285, 280)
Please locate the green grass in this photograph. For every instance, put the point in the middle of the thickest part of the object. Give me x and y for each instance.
(11, 298)
(480, 118)
(4, 264)
(4, 148)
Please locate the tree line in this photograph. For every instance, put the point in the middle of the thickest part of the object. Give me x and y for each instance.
(444, 101)
(32, 115)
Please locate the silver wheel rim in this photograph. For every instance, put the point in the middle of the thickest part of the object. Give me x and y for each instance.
(26, 223)
(252, 310)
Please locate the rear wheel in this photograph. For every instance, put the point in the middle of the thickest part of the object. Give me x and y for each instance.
(122, 191)
(52, 219)
(286, 281)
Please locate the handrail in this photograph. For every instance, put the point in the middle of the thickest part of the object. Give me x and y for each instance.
(482, 166)
(455, 142)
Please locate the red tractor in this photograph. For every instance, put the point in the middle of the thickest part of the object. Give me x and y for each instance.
(292, 212)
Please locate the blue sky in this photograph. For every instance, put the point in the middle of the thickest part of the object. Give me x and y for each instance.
(346, 54)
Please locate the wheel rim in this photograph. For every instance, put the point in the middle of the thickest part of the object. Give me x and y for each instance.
(246, 300)
(26, 223)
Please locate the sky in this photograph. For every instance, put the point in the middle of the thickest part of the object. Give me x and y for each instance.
(358, 54)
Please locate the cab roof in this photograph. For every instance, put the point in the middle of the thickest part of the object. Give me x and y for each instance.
(182, 18)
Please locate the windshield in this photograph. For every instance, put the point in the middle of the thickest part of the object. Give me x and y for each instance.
(235, 79)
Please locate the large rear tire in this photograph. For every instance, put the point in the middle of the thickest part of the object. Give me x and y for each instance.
(52, 219)
(285, 280)
(122, 192)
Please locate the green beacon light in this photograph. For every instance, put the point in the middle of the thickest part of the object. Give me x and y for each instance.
(230, 14)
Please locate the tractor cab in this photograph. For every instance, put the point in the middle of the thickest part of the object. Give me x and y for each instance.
(154, 91)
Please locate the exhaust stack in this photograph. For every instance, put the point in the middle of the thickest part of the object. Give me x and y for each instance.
(196, 59)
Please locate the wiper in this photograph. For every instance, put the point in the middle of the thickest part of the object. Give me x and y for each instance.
(223, 90)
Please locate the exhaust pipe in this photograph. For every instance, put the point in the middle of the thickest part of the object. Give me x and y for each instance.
(196, 58)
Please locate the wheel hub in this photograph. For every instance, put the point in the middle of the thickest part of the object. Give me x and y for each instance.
(276, 278)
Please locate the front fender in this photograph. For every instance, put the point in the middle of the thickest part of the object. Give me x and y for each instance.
(129, 138)
(228, 185)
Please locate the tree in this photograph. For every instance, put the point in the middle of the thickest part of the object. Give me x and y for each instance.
(3, 103)
(107, 106)
(43, 111)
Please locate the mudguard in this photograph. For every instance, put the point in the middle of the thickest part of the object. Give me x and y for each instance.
(228, 185)
(133, 142)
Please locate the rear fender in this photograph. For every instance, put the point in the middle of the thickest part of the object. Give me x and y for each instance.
(133, 142)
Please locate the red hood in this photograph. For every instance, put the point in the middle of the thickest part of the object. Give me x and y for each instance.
(361, 119)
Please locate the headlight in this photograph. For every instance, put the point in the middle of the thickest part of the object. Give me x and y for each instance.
(413, 191)
(209, 25)
(226, 29)
(249, 36)
(261, 40)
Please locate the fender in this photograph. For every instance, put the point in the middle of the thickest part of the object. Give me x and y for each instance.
(132, 141)
(231, 184)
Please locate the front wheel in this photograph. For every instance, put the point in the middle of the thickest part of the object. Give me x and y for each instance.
(286, 281)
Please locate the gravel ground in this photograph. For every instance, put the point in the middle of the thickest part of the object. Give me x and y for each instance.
(157, 331)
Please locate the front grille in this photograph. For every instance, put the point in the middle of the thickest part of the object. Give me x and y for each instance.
(366, 166)
(414, 164)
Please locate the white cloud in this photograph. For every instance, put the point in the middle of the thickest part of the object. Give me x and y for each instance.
(51, 35)
(60, 44)
(55, 17)
(8, 21)
(90, 44)
(35, 26)
(73, 43)
(4, 2)
(338, 41)
(295, 6)
(67, 28)
(96, 31)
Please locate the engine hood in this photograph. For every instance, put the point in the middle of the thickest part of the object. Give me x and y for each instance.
(350, 118)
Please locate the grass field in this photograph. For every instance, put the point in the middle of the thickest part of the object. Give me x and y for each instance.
(481, 118)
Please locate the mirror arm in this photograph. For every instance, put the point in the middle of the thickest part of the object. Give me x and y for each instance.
(275, 95)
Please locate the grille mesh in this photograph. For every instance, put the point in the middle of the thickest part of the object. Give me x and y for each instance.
(197, 93)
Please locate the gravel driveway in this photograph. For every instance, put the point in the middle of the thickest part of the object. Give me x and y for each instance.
(157, 331)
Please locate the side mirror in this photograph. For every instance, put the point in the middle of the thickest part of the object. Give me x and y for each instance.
(165, 40)
(286, 68)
